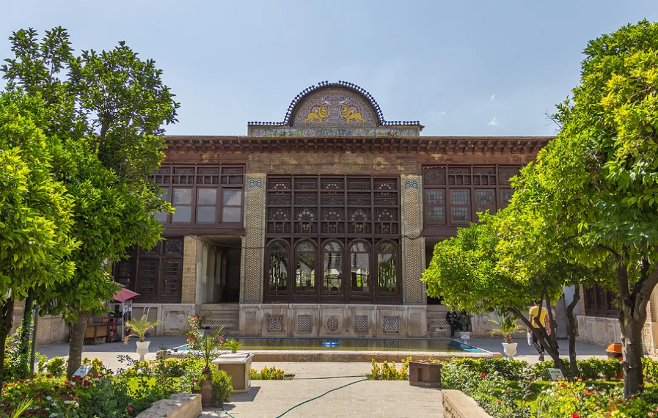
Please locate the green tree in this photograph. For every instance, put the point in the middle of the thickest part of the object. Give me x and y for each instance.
(35, 212)
(602, 165)
(467, 271)
(537, 243)
(109, 113)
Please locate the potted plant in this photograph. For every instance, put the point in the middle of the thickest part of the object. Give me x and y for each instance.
(506, 327)
(465, 333)
(233, 345)
(209, 351)
(138, 329)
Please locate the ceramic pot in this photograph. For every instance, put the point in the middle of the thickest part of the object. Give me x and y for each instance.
(465, 335)
(206, 394)
(510, 349)
(142, 349)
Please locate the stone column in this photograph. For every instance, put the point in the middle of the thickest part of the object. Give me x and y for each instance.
(188, 284)
(251, 268)
(413, 245)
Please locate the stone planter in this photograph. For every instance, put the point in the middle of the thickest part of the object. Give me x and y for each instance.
(142, 349)
(465, 335)
(510, 349)
(238, 366)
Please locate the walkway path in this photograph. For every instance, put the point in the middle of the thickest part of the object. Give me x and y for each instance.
(368, 399)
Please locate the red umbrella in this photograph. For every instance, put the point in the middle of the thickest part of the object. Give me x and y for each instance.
(124, 295)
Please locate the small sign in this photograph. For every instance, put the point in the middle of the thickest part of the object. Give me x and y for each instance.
(82, 371)
(555, 374)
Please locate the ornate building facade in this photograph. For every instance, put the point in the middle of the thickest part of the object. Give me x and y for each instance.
(319, 225)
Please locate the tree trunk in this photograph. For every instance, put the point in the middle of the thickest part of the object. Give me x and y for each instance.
(78, 329)
(631, 341)
(573, 330)
(5, 328)
(27, 324)
(542, 337)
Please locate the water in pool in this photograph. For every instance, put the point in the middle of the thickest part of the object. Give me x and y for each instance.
(360, 344)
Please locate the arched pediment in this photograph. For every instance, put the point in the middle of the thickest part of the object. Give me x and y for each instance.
(334, 109)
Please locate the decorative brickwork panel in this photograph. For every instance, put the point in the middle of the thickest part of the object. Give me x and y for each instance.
(412, 242)
(304, 323)
(391, 324)
(361, 324)
(189, 270)
(332, 324)
(254, 239)
(275, 323)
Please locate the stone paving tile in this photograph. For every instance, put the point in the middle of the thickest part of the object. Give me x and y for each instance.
(269, 399)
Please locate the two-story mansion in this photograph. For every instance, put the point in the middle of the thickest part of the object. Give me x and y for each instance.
(319, 225)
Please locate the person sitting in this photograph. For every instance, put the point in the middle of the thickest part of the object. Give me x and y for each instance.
(465, 320)
(453, 320)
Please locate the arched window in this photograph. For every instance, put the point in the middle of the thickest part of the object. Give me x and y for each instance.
(305, 271)
(332, 267)
(278, 267)
(360, 267)
(387, 267)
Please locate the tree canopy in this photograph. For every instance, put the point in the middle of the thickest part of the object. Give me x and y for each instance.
(108, 113)
(35, 210)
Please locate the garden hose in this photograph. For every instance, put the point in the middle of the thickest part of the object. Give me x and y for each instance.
(312, 399)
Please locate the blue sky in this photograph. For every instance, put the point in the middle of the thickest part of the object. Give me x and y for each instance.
(478, 67)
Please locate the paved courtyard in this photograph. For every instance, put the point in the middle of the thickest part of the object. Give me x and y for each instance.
(338, 387)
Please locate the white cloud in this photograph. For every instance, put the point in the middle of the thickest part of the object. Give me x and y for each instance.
(493, 97)
(493, 122)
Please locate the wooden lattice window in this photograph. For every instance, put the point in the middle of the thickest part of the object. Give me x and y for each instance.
(330, 224)
(453, 195)
(155, 273)
(599, 302)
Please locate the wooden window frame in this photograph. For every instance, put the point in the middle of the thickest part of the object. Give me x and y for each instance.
(473, 177)
(595, 307)
(137, 256)
(228, 177)
(334, 206)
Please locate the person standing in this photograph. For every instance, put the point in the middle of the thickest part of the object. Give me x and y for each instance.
(538, 318)
(453, 320)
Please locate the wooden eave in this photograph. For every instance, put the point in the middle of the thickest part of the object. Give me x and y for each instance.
(378, 145)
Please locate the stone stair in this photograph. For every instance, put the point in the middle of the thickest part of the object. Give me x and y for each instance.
(437, 326)
(225, 314)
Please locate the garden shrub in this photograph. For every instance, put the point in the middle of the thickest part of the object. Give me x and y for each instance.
(56, 366)
(267, 373)
(590, 369)
(583, 400)
(650, 369)
(507, 369)
(56, 397)
(388, 371)
(221, 387)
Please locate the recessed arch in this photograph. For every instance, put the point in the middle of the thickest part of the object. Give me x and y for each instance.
(305, 266)
(278, 266)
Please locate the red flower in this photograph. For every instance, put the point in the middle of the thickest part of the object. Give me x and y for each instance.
(86, 383)
(47, 376)
(130, 408)
(56, 387)
(575, 416)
